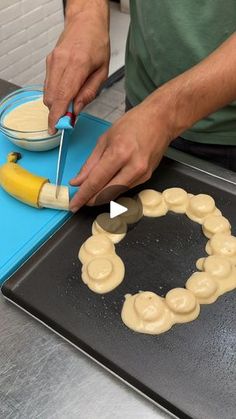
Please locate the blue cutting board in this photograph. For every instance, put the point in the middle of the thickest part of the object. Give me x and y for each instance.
(23, 228)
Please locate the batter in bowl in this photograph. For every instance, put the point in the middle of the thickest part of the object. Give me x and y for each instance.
(30, 116)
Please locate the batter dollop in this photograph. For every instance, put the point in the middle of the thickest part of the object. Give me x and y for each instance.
(146, 312)
(94, 246)
(222, 244)
(177, 199)
(215, 224)
(200, 206)
(153, 203)
(103, 274)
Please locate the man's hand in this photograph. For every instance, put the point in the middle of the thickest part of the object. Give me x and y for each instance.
(79, 63)
(125, 155)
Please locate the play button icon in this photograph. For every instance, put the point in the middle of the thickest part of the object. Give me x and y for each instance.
(116, 209)
(122, 214)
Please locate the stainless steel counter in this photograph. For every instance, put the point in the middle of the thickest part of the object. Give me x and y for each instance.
(43, 377)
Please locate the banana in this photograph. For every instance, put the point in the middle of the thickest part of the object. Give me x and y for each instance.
(29, 188)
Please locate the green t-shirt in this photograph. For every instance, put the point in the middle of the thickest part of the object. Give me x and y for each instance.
(167, 37)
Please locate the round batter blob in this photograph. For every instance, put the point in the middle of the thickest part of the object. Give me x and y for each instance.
(146, 312)
(148, 306)
(135, 210)
(200, 206)
(103, 274)
(30, 116)
(114, 228)
(217, 266)
(214, 224)
(183, 304)
(222, 270)
(97, 245)
(223, 245)
(203, 286)
(200, 264)
(176, 199)
(153, 203)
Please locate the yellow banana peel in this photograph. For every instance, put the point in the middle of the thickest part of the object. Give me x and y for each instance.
(29, 188)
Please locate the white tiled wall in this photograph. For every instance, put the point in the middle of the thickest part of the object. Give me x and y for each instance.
(28, 32)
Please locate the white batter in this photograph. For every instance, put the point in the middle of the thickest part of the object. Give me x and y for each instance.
(218, 277)
(200, 206)
(183, 305)
(147, 312)
(177, 199)
(215, 224)
(153, 203)
(28, 117)
(203, 286)
(223, 245)
(94, 246)
(103, 274)
(223, 271)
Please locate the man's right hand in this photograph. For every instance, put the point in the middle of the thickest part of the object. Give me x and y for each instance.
(79, 63)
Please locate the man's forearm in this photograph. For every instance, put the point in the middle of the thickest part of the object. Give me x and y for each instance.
(77, 6)
(200, 91)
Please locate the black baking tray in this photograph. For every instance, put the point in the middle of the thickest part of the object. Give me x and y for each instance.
(189, 370)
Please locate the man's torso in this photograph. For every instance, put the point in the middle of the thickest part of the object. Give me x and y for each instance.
(166, 38)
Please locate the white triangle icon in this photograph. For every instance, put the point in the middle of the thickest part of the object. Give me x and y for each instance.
(116, 209)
